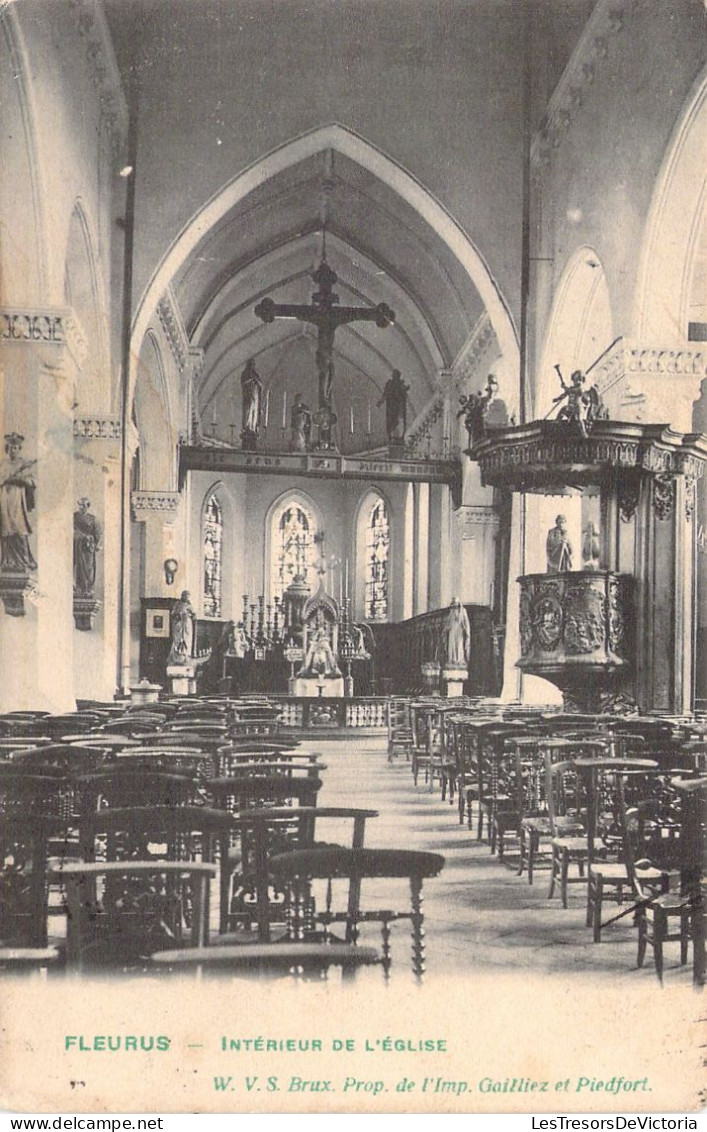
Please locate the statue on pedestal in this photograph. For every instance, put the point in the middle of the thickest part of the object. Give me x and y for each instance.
(456, 637)
(558, 547)
(182, 623)
(395, 397)
(17, 494)
(87, 541)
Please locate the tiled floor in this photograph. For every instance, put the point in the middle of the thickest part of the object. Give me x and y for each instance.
(479, 913)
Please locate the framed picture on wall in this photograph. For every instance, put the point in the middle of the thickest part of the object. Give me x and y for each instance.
(157, 623)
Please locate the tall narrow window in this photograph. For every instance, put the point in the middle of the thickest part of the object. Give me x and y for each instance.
(293, 546)
(376, 563)
(212, 556)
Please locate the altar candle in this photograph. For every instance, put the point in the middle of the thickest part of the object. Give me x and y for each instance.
(351, 417)
(346, 578)
(267, 407)
(368, 404)
(284, 409)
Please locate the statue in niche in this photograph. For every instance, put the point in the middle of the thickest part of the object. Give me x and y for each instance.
(182, 625)
(252, 400)
(482, 411)
(320, 659)
(87, 542)
(456, 637)
(558, 548)
(395, 398)
(583, 405)
(591, 550)
(17, 498)
(300, 425)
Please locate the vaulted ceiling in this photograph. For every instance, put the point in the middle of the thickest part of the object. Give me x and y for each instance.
(381, 249)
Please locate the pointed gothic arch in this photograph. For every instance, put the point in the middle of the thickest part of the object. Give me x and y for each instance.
(340, 138)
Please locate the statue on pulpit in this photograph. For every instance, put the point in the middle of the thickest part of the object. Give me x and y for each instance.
(320, 660)
(558, 548)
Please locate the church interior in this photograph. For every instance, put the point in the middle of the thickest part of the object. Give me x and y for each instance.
(353, 387)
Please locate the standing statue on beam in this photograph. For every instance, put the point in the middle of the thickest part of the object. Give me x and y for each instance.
(252, 401)
(395, 398)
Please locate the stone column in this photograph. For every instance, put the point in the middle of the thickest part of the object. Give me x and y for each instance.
(421, 495)
(97, 442)
(40, 353)
(158, 510)
(439, 551)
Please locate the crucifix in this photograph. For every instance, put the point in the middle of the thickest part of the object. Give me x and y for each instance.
(325, 313)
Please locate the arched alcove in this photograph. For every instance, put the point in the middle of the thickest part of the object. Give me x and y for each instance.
(580, 326)
(82, 295)
(151, 404)
(674, 239)
(291, 524)
(373, 557)
(23, 248)
(216, 552)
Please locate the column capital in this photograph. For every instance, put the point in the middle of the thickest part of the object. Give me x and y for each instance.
(650, 384)
(152, 504)
(43, 326)
(473, 515)
(98, 427)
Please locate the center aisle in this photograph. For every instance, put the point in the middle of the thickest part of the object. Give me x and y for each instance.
(478, 913)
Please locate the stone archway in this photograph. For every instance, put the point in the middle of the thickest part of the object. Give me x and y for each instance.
(346, 142)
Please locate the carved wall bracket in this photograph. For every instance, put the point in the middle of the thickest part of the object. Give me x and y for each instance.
(663, 496)
(85, 610)
(14, 588)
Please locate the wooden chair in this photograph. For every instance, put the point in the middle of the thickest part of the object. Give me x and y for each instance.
(271, 830)
(354, 866)
(144, 883)
(685, 908)
(269, 960)
(236, 793)
(33, 810)
(400, 734)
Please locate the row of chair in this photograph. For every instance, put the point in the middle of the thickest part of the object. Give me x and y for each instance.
(129, 822)
(613, 805)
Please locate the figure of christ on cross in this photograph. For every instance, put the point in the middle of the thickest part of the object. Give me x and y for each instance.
(325, 313)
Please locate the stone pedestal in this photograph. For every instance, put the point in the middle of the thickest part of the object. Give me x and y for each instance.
(41, 352)
(182, 678)
(453, 680)
(145, 693)
(430, 671)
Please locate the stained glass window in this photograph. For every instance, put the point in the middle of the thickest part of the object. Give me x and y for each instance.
(376, 563)
(294, 549)
(212, 554)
